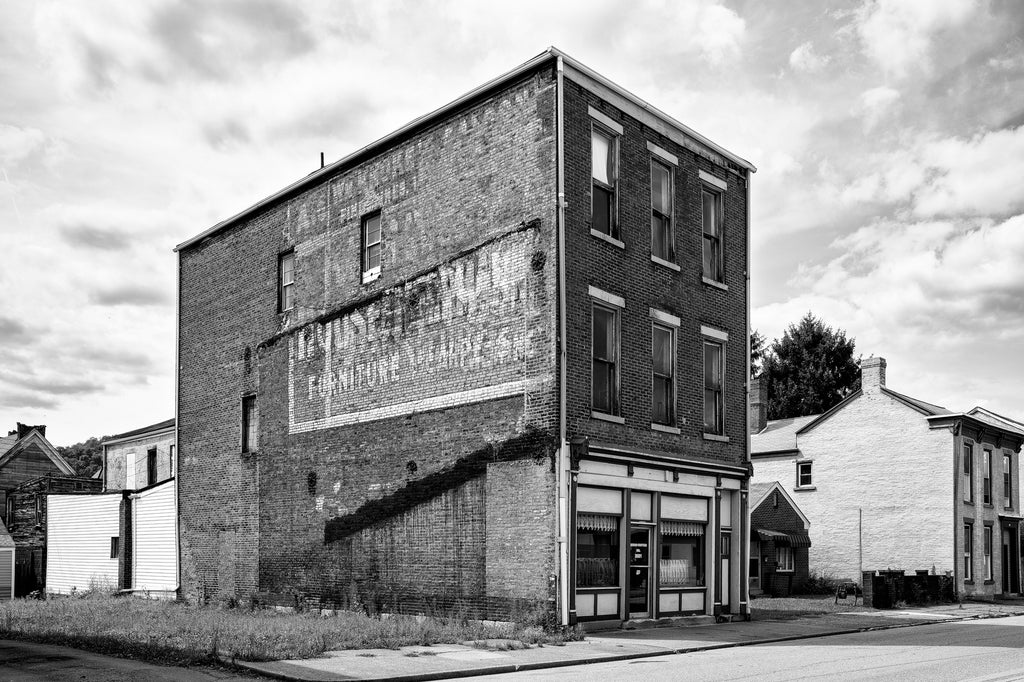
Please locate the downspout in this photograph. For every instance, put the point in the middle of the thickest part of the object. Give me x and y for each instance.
(177, 418)
(745, 530)
(564, 606)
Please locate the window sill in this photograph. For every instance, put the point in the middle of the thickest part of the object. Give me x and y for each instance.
(665, 428)
(968, 582)
(715, 283)
(988, 505)
(665, 263)
(990, 582)
(970, 502)
(608, 238)
(716, 437)
(785, 570)
(802, 488)
(603, 416)
(371, 275)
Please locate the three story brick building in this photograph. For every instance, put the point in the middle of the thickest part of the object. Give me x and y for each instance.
(494, 361)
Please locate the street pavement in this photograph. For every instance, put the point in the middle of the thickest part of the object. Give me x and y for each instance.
(453, 660)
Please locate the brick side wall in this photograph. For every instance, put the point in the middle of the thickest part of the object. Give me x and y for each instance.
(875, 455)
(630, 273)
(383, 407)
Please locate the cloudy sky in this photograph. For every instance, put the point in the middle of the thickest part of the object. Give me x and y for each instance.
(888, 136)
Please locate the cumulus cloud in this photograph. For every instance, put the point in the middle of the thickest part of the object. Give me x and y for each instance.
(804, 59)
(17, 144)
(897, 34)
(100, 238)
(876, 103)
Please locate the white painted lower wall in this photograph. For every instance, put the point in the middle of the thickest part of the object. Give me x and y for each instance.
(78, 532)
(155, 555)
(6, 573)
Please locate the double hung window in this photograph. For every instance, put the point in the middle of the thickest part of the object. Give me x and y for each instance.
(803, 475)
(987, 537)
(711, 214)
(285, 281)
(968, 551)
(662, 243)
(604, 171)
(663, 375)
(1007, 482)
(605, 396)
(986, 476)
(371, 239)
(250, 424)
(968, 481)
(713, 400)
(785, 557)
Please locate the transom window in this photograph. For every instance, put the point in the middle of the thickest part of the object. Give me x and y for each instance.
(605, 359)
(662, 244)
(711, 207)
(604, 173)
(371, 246)
(663, 375)
(713, 406)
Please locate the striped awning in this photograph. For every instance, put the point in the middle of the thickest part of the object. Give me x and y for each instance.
(684, 528)
(597, 523)
(786, 539)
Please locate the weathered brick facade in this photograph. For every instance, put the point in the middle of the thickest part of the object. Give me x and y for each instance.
(139, 458)
(410, 445)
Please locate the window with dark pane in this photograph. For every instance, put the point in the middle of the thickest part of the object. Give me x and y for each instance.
(663, 366)
(286, 281)
(711, 206)
(604, 179)
(605, 360)
(712, 387)
(661, 211)
(371, 244)
(250, 424)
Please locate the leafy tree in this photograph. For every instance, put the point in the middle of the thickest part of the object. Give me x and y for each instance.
(85, 458)
(757, 352)
(810, 370)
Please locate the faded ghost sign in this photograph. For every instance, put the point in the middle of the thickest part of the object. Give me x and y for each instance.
(456, 335)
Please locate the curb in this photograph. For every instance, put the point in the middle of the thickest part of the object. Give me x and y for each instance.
(612, 658)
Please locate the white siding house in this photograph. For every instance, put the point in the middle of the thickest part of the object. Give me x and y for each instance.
(82, 539)
(155, 555)
(6, 564)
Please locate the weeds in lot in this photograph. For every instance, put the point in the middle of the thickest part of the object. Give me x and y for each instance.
(171, 632)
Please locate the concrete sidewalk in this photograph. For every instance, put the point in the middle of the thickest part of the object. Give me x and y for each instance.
(443, 661)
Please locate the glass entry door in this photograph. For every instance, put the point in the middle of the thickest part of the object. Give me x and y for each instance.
(640, 572)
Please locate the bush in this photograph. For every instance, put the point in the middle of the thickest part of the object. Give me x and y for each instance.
(818, 584)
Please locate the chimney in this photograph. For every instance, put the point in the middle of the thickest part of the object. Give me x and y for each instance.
(758, 405)
(872, 374)
(25, 429)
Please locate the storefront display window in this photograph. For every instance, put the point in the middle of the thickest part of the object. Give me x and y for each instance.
(682, 554)
(597, 550)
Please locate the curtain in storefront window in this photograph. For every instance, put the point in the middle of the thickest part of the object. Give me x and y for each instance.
(597, 523)
(683, 528)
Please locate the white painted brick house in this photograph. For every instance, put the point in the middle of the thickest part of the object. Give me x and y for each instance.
(892, 482)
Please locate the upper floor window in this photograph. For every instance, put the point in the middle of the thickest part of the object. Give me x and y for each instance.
(605, 397)
(713, 399)
(711, 216)
(250, 424)
(604, 169)
(803, 475)
(371, 247)
(151, 466)
(986, 476)
(662, 242)
(286, 281)
(1007, 481)
(968, 461)
(663, 375)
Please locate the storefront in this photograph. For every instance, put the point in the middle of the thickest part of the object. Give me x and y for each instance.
(657, 538)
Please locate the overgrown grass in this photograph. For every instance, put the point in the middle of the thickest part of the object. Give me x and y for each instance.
(172, 632)
(787, 608)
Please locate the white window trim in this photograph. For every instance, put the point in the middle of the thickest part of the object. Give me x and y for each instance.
(792, 558)
(662, 154)
(665, 428)
(610, 299)
(604, 416)
(716, 334)
(712, 180)
(605, 120)
(720, 285)
(608, 238)
(665, 318)
(371, 275)
(667, 264)
(798, 485)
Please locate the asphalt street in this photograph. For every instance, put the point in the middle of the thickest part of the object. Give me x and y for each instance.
(28, 662)
(970, 651)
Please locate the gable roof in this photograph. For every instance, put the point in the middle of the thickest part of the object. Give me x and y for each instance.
(778, 435)
(145, 430)
(921, 406)
(34, 436)
(6, 443)
(759, 492)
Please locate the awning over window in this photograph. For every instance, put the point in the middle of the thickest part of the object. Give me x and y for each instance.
(597, 523)
(785, 539)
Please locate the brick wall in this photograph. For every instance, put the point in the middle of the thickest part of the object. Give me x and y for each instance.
(398, 419)
(878, 456)
(122, 456)
(630, 273)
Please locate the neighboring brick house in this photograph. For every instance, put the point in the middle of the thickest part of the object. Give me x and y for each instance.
(420, 379)
(778, 541)
(25, 454)
(139, 458)
(892, 482)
